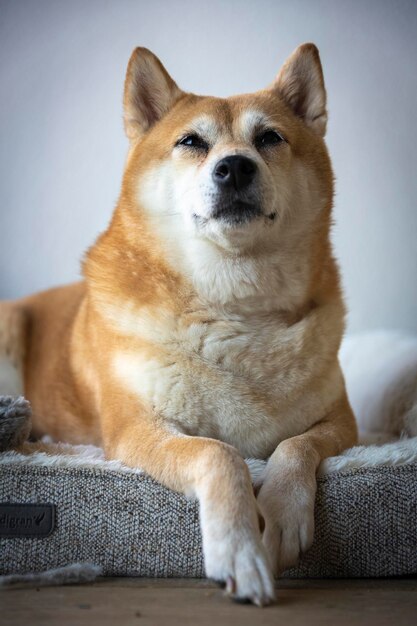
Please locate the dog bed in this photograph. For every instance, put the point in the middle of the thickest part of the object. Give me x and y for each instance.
(79, 508)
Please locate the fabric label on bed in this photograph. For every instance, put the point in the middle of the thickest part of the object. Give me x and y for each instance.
(26, 520)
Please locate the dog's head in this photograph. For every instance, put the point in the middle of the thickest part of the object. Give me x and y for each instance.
(237, 171)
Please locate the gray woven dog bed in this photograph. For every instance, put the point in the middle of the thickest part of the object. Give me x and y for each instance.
(123, 521)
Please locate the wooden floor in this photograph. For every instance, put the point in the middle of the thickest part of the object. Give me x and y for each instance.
(141, 602)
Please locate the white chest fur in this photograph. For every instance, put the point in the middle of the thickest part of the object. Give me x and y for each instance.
(249, 380)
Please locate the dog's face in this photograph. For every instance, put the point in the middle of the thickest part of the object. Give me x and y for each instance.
(232, 171)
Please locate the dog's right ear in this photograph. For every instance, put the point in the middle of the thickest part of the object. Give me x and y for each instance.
(149, 93)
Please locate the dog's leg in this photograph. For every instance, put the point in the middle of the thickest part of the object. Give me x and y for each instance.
(216, 474)
(286, 498)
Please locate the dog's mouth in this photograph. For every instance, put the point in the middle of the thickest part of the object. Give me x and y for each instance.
(237, 213)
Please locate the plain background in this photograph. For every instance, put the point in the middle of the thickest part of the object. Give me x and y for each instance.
(62, 146)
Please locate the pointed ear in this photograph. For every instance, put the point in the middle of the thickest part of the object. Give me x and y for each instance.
(149, 93)
(300, 84)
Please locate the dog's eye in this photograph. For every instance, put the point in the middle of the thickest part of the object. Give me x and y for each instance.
(193, 141)
(268, 138)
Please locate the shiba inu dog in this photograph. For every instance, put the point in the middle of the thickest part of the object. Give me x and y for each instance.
(208, 324)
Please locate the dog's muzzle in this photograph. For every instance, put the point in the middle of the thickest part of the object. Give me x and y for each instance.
(234, 177)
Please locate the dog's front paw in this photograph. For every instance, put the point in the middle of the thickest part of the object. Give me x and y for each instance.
(288, 510)
(239, 562)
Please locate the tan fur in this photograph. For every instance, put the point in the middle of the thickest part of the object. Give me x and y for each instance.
(13, 336)
(184, 350)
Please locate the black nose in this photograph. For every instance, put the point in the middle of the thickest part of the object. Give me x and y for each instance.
(235, 172)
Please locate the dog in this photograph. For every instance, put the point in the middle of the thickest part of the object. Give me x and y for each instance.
(208, 325)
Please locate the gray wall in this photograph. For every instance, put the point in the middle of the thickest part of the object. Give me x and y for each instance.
(62, 146)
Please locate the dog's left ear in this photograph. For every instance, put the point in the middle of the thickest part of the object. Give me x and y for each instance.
(300, 84)
(149, 93)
